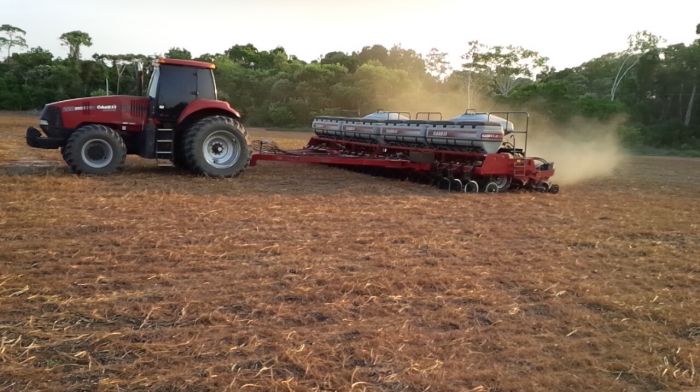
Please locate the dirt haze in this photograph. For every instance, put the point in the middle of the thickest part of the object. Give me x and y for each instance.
(578, 158)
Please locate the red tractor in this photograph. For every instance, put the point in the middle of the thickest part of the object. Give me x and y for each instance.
(180, 122)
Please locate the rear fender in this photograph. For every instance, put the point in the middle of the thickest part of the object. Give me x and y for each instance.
(203, 108)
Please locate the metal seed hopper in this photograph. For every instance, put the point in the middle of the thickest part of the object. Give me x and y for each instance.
(473, 152)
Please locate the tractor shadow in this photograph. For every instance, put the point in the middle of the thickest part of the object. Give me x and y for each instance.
(33, 167)
(272, 179)
(265, 180)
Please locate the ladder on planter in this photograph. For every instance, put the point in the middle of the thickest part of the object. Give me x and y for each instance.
(519, 168)
(165, 146)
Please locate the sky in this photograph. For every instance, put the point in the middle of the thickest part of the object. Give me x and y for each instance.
(568, 32)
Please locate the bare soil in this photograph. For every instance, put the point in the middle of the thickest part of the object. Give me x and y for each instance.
(297, 277)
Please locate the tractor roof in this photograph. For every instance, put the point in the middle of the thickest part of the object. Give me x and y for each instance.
(186, 63)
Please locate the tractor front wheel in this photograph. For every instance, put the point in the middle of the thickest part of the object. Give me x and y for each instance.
(217, 146)
(94, 149)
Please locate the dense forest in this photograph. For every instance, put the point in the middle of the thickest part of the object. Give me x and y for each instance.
(652, 86)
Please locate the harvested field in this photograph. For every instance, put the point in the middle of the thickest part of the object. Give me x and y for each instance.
(295, 277)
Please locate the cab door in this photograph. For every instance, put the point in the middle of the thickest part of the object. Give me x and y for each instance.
(177, 87)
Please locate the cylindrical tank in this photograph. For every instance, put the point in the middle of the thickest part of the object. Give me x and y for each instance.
(362, 129)
(328, 126)
(485, 117)
(478, 131)
(410, 132)
(473, 134)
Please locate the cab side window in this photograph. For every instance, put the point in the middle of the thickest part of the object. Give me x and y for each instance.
(207, 89)
(178, 86)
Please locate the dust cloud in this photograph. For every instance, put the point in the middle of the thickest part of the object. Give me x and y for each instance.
(581, 150)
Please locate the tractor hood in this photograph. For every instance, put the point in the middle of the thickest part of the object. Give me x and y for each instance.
(103, 103)
(126, 112)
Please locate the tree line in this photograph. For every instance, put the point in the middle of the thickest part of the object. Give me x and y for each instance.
(653, 86)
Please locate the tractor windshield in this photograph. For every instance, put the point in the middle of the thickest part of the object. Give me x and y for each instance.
(153, 84)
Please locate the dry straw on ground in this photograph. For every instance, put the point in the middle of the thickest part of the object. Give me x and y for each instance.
(295, 277)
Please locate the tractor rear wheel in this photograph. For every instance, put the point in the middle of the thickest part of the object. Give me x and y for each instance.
(179, 160)
(94, 149)
(217, 146)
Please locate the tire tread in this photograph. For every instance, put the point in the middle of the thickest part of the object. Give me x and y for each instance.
(190, 141)
(68, 150)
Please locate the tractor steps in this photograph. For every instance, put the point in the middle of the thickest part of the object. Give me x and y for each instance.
(165, 146)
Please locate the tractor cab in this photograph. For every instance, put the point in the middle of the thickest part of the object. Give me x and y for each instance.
(175, 84)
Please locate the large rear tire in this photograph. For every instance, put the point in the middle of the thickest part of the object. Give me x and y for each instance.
(94, 149)
(179, 160)
(217, 146)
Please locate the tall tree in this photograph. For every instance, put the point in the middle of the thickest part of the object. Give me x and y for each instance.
(436, 63)
(121, 62)
(179, 53)
(638, 44)
(507, 66)
(694, 59)
(246, 55)
(74, 40)
(14, 37)
(341, 58)
(375, 52)
(405, 59)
